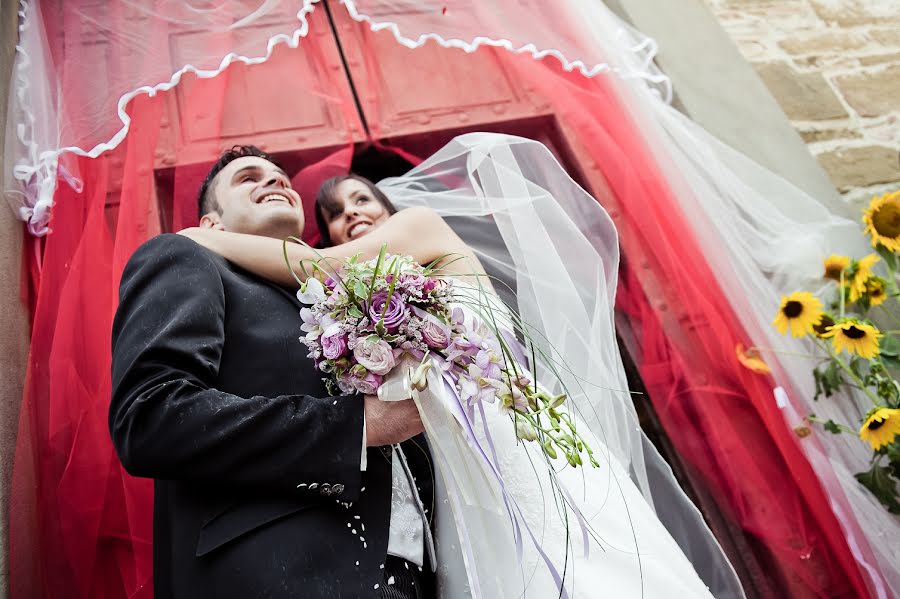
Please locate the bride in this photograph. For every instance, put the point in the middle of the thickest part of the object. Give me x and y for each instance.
(517, 523)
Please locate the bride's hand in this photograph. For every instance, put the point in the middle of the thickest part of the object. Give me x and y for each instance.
(205, 237)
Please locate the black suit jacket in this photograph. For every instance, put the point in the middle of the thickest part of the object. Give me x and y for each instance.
(258, 488)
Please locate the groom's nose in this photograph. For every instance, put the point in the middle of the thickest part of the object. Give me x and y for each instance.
(276, 179)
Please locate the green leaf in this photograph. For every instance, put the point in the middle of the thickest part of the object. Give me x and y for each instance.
(892, 362)
(831, 379)
(864, 304)
(890, 346)
(819, 387)
(893, 454)
(354, 311)
(359, 290)
(881, 484)
(854, 366)
(832, 427)
(889, 257)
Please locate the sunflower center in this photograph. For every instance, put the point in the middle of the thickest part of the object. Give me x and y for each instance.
(826, 323)
(886, 220)
(792, 309)
(833, 271)
(854, 333)
(875, 425)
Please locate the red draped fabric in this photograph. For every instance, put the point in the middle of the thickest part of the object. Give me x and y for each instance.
(81, 527)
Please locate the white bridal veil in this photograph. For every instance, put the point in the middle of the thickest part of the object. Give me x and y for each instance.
(539, 233)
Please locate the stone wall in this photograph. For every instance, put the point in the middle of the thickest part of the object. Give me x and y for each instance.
(834, 66)
(13, 316)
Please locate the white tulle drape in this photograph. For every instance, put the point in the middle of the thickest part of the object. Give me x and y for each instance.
(764, 237)
(80, 62)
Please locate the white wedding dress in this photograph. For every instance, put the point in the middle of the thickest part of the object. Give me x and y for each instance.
(629, 553)
(503, 529)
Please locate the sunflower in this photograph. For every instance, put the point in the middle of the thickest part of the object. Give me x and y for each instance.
(835, 265)
(862, 270)
(801, 310)
(826, 323)
(876, 289)
(882, 220)
(880, 427)
(855, 336)
(751, 360)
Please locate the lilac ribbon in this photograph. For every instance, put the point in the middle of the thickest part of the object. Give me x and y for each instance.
(466, 422)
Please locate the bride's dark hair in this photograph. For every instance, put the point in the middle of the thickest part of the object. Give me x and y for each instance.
(328, 204)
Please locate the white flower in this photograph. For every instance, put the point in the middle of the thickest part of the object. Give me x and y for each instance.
(311, 324)
(313, 291)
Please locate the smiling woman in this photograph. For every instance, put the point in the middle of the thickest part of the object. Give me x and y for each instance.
(348, 206)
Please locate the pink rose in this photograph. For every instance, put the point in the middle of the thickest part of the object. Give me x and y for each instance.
(434, 332)
(334, 342)
(369, 384)
(374, 354)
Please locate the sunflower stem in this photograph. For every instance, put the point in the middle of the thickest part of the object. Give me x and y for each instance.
(849, 372)
(842, 427)
(891, 314)
(782, 352)
(841, 289)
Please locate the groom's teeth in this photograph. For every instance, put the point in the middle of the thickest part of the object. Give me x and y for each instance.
(274, 197)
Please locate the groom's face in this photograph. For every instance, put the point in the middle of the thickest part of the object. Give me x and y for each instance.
(255, 196)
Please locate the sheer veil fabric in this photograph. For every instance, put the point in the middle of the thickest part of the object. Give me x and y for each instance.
(557, 247)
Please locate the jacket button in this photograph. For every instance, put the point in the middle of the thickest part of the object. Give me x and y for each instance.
(313, 486)
(301, 486)
(337, 489)
(325, 489)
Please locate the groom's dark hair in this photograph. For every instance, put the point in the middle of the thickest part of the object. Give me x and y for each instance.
(206, 201)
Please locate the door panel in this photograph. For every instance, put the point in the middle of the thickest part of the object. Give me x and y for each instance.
(405, 91)
(298, 99)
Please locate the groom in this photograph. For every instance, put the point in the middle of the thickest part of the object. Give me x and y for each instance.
(264, 486)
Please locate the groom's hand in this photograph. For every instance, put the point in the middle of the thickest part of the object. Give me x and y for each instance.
(389, 422)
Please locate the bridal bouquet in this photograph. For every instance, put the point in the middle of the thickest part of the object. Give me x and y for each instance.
(367, 317)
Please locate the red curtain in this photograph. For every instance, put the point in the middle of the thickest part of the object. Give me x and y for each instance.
(80, 527)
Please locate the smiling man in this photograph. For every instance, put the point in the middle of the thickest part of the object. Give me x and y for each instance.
(260, 483)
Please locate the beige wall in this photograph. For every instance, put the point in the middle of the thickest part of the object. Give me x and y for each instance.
(716, 86)
(834, 67)
(13, 318)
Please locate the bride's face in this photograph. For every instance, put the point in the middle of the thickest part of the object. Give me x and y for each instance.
(358, 212)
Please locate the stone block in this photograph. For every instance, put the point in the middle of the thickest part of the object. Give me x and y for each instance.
(876, 59)
(872, 94)
(886, 37)
(802, 96)
(853, 13)
(861, 167)
(828, 42)
(816, 135)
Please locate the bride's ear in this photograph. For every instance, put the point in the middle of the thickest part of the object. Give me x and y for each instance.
(211, 220)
